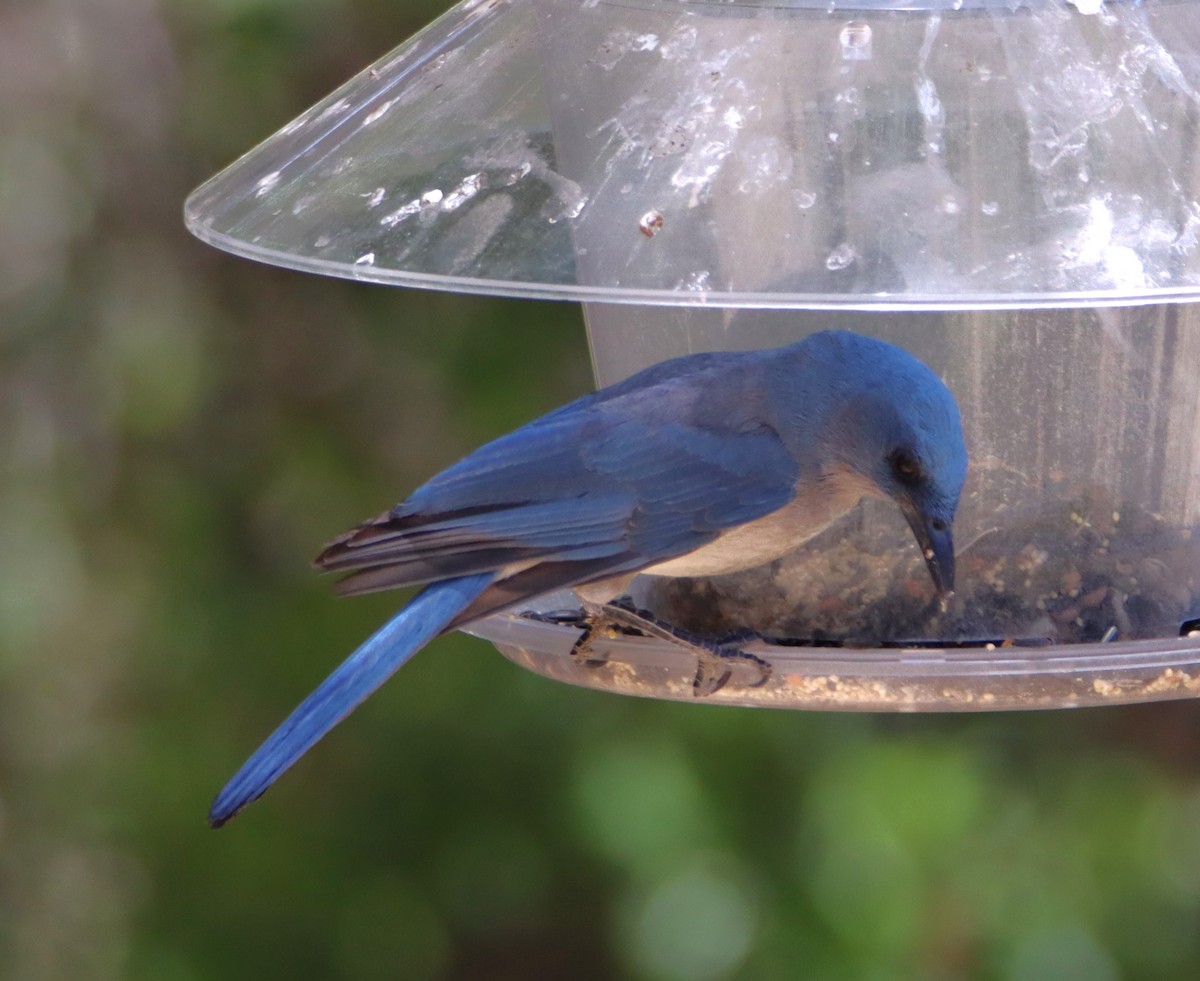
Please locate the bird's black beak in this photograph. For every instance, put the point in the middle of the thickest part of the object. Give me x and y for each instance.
(937, 545)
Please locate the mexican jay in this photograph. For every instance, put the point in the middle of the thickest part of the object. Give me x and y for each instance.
(698, 466)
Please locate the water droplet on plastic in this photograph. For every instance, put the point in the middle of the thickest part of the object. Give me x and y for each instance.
(840, 257)
(376, 114)
(573, 209)
(950, 205)
(266, 183)
(650, 223)
(515, 175)
(990, 208)
(855, 39)
(303, 203)
(467, 189)
(804, 199)
(850, 103)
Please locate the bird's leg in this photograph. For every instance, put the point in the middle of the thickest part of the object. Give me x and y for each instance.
(620, 616)
(595, 621)
(714, 660)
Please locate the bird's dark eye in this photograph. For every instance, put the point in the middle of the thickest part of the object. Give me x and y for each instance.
(905, 467)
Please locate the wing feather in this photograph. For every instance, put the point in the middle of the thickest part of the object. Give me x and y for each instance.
(638, 473)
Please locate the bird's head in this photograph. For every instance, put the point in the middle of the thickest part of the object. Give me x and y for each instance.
(926, 486)
(897, 428)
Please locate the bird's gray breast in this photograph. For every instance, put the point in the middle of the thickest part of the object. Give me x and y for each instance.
(817, 504)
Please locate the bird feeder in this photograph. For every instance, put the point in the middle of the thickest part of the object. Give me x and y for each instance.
(1008, 189)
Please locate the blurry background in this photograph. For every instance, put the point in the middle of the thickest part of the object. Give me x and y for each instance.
(181, 430)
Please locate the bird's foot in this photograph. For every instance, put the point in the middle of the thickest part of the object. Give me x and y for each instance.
(715, 658)
(565, 618)
(713, 668)
(590, 621)
(596, 623)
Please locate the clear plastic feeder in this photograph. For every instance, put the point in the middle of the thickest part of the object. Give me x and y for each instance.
(1009, 190)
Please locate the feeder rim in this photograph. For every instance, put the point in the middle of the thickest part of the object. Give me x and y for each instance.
(580, 293)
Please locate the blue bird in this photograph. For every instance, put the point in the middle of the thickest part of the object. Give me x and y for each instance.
(702, 465)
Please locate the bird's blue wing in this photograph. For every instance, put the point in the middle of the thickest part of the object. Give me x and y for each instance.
(619, 478)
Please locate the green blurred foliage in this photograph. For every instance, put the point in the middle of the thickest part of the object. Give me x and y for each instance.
(181, 430)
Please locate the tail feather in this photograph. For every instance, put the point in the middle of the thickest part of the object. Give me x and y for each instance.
(358, 676)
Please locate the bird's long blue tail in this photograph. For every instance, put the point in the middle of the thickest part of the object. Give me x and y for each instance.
(338, 695)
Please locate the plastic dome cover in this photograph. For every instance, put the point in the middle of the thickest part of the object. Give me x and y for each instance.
(903, 154)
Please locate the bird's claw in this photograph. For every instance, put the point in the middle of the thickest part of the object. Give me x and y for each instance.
(715, 659)
(582, 650)
(591, 624)
(565, 618)
(713, 669)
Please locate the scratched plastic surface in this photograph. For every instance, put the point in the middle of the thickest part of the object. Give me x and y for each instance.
(803, 153)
